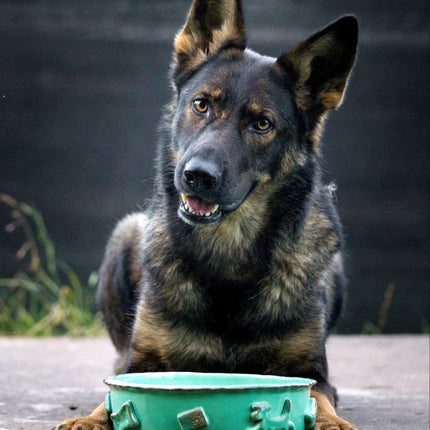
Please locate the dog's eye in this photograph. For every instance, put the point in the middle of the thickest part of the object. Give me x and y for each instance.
(200, 105)
(262, 125)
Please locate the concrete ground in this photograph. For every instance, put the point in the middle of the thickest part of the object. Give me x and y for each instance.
(383, 381)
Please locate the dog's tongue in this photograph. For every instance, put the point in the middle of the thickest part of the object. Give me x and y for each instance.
(199, 206)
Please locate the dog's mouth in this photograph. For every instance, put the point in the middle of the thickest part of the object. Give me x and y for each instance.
(195, 210)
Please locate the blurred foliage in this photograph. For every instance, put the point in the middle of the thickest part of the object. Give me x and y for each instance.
(379, 328)
(383, 318)
(46, 297)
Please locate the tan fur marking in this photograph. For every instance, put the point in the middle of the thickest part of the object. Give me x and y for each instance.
(225, 23)
(174, 156)
(154, 334)
(330, 96)
(265, 139)
(185, 44)
(303, 99)
(289, 161)
(228, 31)
(232, 53)
(223, 114)
(150, 332)
(257, 109)
(231, 240)
(291, 268)
(281, 289)
(316, 134)
(302, 346)
(180, 291)
(331, 99)
(304, 53)
(327, 418)
(265, 178)
(98, 419)
(327, 279)
(217, 94)
(131, 231)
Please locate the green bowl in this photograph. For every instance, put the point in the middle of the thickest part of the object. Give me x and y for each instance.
(214, 401)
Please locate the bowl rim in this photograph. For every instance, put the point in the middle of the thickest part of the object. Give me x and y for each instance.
(261, 382)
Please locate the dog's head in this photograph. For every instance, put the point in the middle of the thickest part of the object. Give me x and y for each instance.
(243, 120)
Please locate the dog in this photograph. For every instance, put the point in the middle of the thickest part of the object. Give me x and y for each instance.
(236, 264)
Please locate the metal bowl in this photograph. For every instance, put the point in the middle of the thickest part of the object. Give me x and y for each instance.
(214, 401)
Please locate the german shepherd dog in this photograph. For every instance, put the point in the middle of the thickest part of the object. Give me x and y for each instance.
(236, 265)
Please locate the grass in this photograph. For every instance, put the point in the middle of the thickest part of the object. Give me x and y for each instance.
(46, 297)
(383, 317)
(379, 328)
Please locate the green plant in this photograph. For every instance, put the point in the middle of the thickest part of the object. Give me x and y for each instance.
(46, 297)
(371, 328)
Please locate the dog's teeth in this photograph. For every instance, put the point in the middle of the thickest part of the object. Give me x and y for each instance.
(184, 199)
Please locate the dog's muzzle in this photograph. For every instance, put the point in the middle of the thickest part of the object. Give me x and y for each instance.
(201, 179)
(207, 194)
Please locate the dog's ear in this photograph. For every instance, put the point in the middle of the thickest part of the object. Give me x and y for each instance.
(320, 66)
(212, 25)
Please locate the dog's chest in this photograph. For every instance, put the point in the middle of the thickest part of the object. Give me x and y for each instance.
(228, 305)
(234, 312)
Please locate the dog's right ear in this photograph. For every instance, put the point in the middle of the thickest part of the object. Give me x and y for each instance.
(321, 66)
(211, 26)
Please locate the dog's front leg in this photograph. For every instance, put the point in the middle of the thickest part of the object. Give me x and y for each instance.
(327, 418)
(97, 420)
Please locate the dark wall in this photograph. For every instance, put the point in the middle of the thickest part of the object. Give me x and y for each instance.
(82, 85)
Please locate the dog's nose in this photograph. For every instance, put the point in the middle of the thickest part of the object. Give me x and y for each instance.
(201, 175)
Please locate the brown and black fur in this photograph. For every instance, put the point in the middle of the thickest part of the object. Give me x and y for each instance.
(255, 287)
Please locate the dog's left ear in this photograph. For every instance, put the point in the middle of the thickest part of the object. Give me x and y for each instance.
(320, 66)
(211, 26)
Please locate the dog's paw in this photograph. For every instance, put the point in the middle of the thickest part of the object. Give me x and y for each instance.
(333, 423)
(83, 423)
(327, 418)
